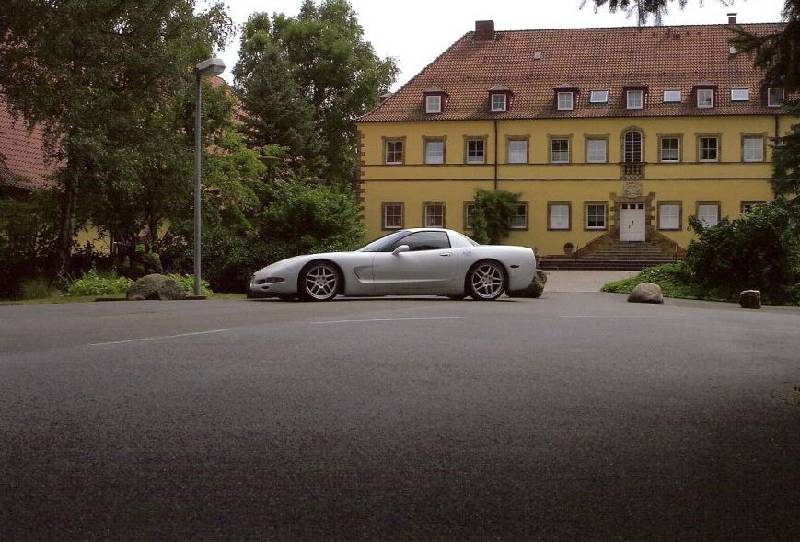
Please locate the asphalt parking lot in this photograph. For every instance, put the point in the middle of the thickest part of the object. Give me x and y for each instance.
(571, 417)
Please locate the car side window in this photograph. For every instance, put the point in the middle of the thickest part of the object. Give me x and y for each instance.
(424, 240)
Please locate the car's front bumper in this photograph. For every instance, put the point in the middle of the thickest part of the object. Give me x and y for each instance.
(260, 288)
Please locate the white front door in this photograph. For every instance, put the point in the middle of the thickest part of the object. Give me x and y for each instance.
(631, 222)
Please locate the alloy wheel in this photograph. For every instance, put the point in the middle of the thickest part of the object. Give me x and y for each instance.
(487, 281)
(321, 282)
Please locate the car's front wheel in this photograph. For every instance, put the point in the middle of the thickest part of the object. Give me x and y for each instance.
(320, 281)
(486, 281)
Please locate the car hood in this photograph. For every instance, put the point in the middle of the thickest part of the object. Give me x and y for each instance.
(300, 261)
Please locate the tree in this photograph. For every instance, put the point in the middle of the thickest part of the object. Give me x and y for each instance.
(100, 77)
(276, 111)
(491, 213)
(322, 54)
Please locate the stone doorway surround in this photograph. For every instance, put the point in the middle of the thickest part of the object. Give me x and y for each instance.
(616, 211)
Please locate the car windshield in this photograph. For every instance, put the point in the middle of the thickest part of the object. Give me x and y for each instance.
(382, 244)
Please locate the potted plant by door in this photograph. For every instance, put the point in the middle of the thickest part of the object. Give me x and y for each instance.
(569, 249)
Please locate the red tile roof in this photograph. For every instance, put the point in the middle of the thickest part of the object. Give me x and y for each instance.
(658, 58)
(26, 162)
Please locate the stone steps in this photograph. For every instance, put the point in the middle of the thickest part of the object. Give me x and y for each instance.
(597, 264)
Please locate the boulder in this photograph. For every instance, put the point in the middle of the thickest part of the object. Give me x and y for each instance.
(155, 286)
(647, 292)
(534, 289)
(750, 299)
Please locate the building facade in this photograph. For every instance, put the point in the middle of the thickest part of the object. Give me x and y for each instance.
(606, 134)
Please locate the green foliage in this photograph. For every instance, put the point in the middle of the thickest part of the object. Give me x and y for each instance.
(27, 235)
(305, 79)
(641, 9)
(759, 250)
(673, 278)
(36, 288)
(303, 218)
(491, 214)
(187, 283)
(95, 283)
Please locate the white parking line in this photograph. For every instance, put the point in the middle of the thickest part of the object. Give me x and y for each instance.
(161, 338)
(387, 320)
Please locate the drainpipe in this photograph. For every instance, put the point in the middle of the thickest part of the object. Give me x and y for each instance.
(495, 154)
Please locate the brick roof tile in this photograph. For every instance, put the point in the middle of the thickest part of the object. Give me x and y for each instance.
(26, 162)
(658, 58)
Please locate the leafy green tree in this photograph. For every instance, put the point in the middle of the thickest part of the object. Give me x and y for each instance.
(491, 215)
(276, 111)
(99, 76)
(322, 54)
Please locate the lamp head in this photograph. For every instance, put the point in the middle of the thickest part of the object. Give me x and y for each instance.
(212, 66)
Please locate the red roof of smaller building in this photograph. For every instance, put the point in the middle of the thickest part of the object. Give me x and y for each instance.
(27, 164)
(534, 63)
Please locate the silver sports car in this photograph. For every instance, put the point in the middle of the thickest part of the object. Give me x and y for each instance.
(411, 261)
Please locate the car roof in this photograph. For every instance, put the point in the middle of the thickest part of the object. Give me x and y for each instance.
(414, 230)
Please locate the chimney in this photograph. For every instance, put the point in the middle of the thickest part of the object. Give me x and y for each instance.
(731, 19)
(484, 30)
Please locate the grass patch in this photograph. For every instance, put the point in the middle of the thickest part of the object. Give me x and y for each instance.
(98, 284)
(35, 289)
(672, 278)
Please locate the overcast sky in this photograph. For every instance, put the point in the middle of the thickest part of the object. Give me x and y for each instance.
(415, 32)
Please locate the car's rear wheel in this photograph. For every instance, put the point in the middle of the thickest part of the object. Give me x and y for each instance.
(320, 281)
(486, 281)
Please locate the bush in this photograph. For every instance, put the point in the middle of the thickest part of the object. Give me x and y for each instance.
(187, 283)
(94, 283)
(38, 288)
(491, 214)
(759, 250)
(673, 278)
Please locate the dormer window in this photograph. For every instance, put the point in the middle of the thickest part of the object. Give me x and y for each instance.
(672, 96)
(566, 101)
(499, 102)
(705, 98)
(598, 97)
(435, 100)
(635, 99)
(740, 94)
(433, 103)
(774, 97)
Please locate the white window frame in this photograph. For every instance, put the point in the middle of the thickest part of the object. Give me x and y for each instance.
(562, 215)
(661, 150)
(628, 102)
(398, 215)
(603, 96)
(770, 103)
(566, 107)
(432, 99)
(524, 225)
(502, 106)
(605, 216)
(673, 93)
(475, 160)
(706, 206)
(760, 156)
(700, 149)
(740, 94)
(594, 160)
(674, 216)
(701, 102)
(428, 217)
(386, 152)
(516, 156)
(428, 156)
(467, 212)
(568, 151)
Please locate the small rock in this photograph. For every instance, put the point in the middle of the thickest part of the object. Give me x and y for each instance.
(647, 292)
(155, 286)
(750, 299)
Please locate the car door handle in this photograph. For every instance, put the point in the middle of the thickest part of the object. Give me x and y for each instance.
(445, 254)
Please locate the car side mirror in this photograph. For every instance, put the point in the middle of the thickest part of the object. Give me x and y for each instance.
(400, 249)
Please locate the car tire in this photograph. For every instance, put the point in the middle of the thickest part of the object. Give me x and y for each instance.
(486, 281)
(319, 281)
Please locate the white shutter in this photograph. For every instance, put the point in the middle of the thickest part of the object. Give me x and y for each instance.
(753, 149)
(669, 216)
(596, 151)
(517, 151)
(708, 214)
(559, 217)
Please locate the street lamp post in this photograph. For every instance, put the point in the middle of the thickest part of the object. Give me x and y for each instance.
(212, 66)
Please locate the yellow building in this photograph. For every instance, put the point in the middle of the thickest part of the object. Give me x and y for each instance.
(610, 136)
